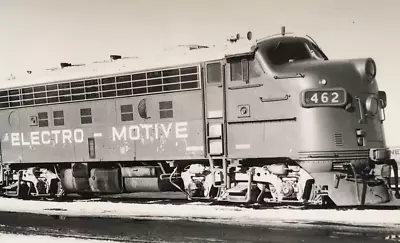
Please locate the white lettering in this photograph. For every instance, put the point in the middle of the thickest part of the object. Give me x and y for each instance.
(67, 135)
(15, 139)
(147, 127)
(181, 130)
(166, 131)
(78, 136)
(178, 130)
(35, 138)
(55, 133)
(23, 140)
(156, 131)
(133, 136)
(48, 135)
(115, 134)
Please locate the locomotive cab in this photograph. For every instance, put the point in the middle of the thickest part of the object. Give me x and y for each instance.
(283, 50)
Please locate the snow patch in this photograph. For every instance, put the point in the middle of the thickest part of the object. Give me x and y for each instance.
(13, 238)
(204, 212)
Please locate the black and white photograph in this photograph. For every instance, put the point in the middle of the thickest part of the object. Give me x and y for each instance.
(199, 121)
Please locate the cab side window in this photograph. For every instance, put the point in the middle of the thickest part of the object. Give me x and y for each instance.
(236, 70)
(243, 69)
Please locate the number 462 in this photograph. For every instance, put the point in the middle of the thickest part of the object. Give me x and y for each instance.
(325, 97)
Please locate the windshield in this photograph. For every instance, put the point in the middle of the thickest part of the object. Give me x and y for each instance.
(291, 50)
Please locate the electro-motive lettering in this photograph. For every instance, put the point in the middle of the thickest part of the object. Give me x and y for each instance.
(150, 131)
(45, 137)
(141, 132)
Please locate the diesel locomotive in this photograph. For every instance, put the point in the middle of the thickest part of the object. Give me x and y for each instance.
(253, 121)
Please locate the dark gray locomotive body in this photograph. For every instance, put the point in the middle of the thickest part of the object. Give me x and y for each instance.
(270, 121)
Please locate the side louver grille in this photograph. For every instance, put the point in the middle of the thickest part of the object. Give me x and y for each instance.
(338, 139)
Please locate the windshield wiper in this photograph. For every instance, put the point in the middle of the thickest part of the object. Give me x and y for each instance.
(277, 46)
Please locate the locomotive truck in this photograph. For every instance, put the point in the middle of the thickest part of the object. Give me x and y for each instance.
(254, 121)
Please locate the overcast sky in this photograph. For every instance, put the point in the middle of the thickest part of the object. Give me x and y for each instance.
(42, 33)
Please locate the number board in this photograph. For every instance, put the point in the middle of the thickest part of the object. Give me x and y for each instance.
(324, 97)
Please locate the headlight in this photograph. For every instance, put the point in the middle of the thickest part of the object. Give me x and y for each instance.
(372, 105)
(366, 67)
(370, 68)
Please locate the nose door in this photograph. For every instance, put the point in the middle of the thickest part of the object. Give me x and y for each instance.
(214, 111)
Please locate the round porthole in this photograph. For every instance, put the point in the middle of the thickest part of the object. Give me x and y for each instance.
(142, 109)
(13, 119)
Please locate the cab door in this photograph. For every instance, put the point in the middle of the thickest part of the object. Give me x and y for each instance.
(214, 109)
(259, 110)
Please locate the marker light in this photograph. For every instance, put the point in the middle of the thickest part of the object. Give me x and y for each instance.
(370, 68)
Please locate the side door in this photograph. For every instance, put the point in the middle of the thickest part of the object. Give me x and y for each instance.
(214, 108)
